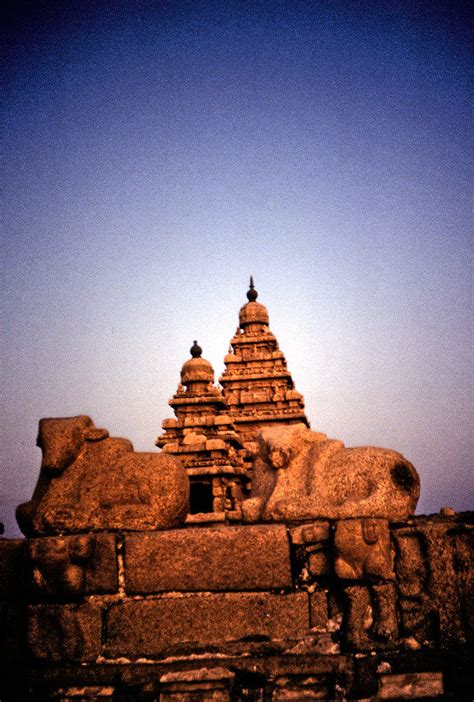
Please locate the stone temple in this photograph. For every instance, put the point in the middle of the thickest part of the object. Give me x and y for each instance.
(251, 559)
(215, 431)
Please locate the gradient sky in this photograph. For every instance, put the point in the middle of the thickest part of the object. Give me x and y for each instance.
(158, 153)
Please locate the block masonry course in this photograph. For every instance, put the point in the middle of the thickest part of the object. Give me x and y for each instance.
(189, 624)
(200, 559)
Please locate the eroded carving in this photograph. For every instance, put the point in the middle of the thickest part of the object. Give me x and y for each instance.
(370, 616)
(300, 474)
(58, 566)
(363, 550)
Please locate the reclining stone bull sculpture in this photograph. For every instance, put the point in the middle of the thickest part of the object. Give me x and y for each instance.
(301, 474)
(90, 482)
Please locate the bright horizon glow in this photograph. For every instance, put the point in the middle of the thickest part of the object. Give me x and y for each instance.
(157, 154)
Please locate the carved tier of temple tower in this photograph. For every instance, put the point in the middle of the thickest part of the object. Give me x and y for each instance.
(204, 438)
(257, 385)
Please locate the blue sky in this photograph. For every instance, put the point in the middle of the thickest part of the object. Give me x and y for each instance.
(158, 153)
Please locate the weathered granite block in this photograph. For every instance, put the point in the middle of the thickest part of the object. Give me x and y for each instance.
(229, 558)
(384, 600)
(318, 609)
(319, 563)
(11, 568)
(357, 617)
(64, 632)
(463, 539)
(434, 572)
(410, 562)
(154, 627)
(69, 567)
(101, 573)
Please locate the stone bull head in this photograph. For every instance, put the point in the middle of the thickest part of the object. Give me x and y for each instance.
(89, 481)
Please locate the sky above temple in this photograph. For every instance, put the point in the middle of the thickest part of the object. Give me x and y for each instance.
(158, 153)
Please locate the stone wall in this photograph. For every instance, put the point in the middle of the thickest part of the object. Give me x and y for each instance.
(347, 609)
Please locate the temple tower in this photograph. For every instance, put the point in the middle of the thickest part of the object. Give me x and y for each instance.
(204, 438)
(257, 385)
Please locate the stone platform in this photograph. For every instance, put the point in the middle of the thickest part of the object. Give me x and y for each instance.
(346, 609)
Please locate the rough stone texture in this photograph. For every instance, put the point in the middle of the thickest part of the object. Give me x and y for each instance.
(69, 567)
(315, 533)
(233, 558)
(434, 570)
(354, 637)
(370, 616)
(101, 571)
(64, 632)
(312, 547)
(101, 483)
(363, 550)
(300, 475)
(384, 601)
(318, 609)
(155, 627)
(11, 569)
(462, 541)
(358, 617)
(319, 563)
(209, 684)
(411, 686)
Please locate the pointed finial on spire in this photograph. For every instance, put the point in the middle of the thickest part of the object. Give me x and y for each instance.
(252, 294)
(195, 350)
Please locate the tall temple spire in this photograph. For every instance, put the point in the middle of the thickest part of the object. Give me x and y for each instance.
(257, 385)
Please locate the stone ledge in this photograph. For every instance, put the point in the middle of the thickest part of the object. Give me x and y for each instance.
(232, 558)
(154, 627)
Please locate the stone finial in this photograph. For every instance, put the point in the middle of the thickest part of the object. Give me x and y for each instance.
(195, 350)
(196, 370)
(252, 294)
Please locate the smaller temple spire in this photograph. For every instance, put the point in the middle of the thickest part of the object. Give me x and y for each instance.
(252, 294)
(195, 350)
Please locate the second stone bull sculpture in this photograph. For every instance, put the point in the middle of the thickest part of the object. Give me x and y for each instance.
(300, 474)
